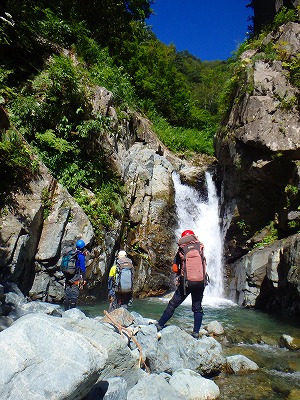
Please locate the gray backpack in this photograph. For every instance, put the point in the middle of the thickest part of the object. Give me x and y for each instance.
(124, 275)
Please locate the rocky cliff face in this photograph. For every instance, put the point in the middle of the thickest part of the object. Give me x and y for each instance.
(44, 218)
(258, 148)
(31, 243)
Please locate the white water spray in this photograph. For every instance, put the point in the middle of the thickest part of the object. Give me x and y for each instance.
(202, 216)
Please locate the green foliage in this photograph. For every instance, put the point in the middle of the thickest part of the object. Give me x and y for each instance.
(49, 140)
(270, 237)
(46, 202)
(56, 28)
(205, 79)
(288, 102)
(16, 163)
(6, 26)
(5, 90)
(292, 192)
(283, 16)
(234, 88)
(294, 225)
(104, 72)
(15, 154)
(293, 66)
(244, 227)
(53, 99)
(92, 127)
(103, 207)
(183, 140)
(112, 22)
(64, 21)
(156, 78)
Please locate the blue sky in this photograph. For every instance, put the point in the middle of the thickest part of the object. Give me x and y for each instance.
(208, 29)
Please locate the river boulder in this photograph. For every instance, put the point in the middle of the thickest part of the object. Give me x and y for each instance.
(193, 386)
(32, 350)
(177, 349)
(239, 364)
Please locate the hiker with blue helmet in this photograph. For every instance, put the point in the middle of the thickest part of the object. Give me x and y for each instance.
(120, 282)
(75, 279)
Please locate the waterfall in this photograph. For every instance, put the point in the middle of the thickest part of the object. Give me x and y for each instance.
(202, 216)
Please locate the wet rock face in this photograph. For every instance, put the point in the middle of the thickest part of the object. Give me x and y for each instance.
(152, 212)
(268, 278)
(258, 149)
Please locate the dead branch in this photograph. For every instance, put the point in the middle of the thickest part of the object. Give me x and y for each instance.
(128, 333)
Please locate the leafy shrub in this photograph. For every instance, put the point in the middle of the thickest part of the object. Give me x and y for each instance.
(103, 207)
(103, 71)
(5, 90)
(179, 139)
(283, 16)
(16, 163)
(270, 237)
(293, 67)
(54, 97)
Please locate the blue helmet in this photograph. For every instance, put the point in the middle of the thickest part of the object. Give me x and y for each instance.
(80, 244)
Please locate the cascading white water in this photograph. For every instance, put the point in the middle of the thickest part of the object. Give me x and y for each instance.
(202, 216)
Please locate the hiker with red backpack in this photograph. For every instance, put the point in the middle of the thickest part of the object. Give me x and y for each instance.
(74, 269)
(190, 268)
(120, 282)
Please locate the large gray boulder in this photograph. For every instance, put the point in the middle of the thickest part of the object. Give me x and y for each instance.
(154, 387)
(42, 360)
(177, 349)
(193, 386)
(120, 360)
(239, 364)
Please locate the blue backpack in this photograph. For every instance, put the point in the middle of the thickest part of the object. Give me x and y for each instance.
(124, 276)
(68, 262)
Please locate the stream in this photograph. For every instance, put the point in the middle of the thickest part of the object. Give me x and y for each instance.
(248, 332)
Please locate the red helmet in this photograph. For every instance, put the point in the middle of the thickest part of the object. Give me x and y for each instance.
(187, 232)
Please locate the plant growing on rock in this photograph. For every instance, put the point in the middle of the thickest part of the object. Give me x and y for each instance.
(16, 163)
(270, 237)
(46, 202)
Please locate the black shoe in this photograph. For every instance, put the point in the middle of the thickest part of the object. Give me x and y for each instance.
(159, 327)
(195, 335)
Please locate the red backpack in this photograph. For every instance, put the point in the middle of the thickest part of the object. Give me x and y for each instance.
(193, 263)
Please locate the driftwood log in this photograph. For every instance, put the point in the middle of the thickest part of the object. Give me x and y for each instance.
(129, 334)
